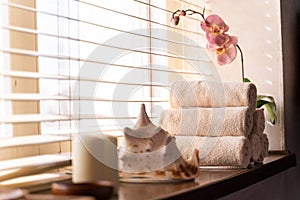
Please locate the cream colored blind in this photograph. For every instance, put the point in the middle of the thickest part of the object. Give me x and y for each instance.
(86, 66)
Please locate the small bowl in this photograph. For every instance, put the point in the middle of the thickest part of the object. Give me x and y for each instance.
(101, 190)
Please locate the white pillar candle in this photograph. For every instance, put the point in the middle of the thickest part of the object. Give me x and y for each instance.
(95, 158)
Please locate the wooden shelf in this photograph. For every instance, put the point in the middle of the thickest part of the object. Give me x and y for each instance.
(211, 183)
(15, 168)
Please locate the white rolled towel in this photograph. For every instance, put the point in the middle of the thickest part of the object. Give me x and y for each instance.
(227, 121)
(256, 146)
(227, 151)
(212, 94)
(265, 147)
(258, 122)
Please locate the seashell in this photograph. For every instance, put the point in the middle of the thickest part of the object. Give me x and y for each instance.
(184, 169)
(143, 119)
(144, 142)
(145, 136)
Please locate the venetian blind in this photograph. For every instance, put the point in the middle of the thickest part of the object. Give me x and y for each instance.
(86, 66)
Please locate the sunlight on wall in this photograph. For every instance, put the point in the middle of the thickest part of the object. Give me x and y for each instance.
(257, 25)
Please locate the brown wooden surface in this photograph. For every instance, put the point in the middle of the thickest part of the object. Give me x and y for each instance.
(210, 184)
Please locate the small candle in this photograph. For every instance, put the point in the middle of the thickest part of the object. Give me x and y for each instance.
(95, 158)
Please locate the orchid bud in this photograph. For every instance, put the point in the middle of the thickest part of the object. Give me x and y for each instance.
(182, 13)
(175, 20)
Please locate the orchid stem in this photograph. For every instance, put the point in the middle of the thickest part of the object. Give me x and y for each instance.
(191, 12)
(242, 60)
(195, 12)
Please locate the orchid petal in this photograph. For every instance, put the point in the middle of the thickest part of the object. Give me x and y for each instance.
(230, 40)
(234, 40)
(217, 39)
(228, 55)
(217, 21)
(204, 26)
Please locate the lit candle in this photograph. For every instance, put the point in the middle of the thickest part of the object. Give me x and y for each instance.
(95, 158)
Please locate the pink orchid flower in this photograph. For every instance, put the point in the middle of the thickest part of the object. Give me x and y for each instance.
(175, 20)
(227, 52)
(215, 29)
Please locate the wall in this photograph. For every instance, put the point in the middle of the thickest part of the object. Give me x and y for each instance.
(286, 184)
(258, 28)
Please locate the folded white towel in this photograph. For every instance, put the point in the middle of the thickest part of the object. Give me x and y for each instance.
(258, 122)
(256, 146)
(228, 121)
(265, 147)
(230, 151)
(212, 94)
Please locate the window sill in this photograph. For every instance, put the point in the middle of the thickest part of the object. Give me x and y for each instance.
(15, 168)
(211, 184)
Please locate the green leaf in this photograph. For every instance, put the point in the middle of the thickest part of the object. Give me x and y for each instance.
(246, 80)
(267, 97)
(264, 99)
(269, 103)
(260, 103)
(271, 109)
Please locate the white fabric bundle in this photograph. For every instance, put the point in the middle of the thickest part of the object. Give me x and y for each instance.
(227, 121)
(259, 141)
(227, 151)
(218, 118)
(265, 148)
(258, 121)
(256, 146)
(265, 145)
(212, 94)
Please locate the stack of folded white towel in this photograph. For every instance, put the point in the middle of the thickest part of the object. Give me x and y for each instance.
(220, 119)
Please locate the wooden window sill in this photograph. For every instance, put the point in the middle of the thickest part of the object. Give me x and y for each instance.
(15, 168)
(210, 184)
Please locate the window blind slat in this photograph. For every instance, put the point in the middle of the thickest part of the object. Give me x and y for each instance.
(32, 140)
(26, 118)
(35, 75)
(36, 32)
(36, 54)
(101, 26)
(97, 6)
(33, 97)
(24, 74)
(63, 35)
(38, 97)
(35, 161)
